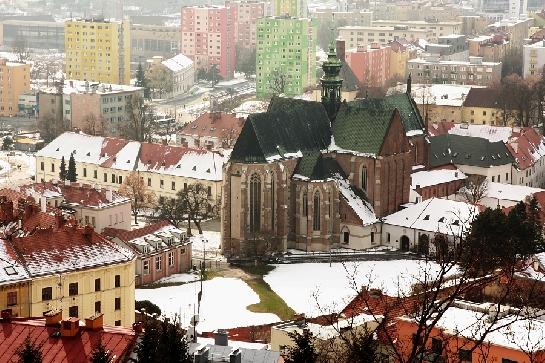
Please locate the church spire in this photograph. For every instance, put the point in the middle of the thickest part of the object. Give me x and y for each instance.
(331, 83)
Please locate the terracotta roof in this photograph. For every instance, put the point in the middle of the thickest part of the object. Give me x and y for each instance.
(12, 195)
(67, 248)
(213, 125)
(126, 236)
(482, 97)
(119, 341)
(539, 35)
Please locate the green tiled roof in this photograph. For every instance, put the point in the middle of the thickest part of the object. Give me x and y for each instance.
(410, 116)
(288, 126)
(467, 150)
(361, 129)
(317, 167)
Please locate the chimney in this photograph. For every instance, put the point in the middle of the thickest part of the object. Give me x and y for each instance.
(340, 49)
(235, 356)
(88, 231)
(27, 211)
(95, 322)
(70, 327)
(6, 315)
(221, 338)
(6, 206)
(138, 327)
(59, 220)
(53, 317)
(109, 195)
(43, 204)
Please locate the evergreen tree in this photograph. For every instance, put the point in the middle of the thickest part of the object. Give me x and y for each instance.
(62, 172)
(141, 81)
(71, 173)
(162, 342)
(7, 143)
(29, 352)
(100, 354)
(303, 351)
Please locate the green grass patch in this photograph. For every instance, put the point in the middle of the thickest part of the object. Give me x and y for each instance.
(259, 270)
(269, 301)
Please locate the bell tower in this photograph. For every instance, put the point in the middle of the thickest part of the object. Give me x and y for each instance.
(331, 83)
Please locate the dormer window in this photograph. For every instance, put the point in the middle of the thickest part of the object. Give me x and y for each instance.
(89, 153)
(194, 168)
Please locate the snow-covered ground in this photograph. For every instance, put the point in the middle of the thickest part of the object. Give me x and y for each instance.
(223, 304)
(316, 288)
(22, 167)
(208, 240)
(181, 278)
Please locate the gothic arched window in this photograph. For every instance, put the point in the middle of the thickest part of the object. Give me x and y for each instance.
(316, 212)
(255, 203)
(363, 180)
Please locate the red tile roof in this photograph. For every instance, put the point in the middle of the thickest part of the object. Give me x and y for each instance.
(483, 97)
(126, 236)
(157, 156)
(119, 341)
(214, 125)
(13, 195)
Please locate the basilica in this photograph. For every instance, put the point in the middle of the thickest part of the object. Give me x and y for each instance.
(319, 175)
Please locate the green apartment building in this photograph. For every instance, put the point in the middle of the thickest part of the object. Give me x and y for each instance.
(295, 8)
(286, 56)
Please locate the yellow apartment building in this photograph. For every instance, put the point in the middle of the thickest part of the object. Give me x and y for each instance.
(482, 106)
(14, 282)
(14, 81)
(98, 50)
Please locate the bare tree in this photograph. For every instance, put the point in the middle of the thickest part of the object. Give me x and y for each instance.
(277, 82)
(51, 127)
(139, 124)
(474, 189)
(21, 49)
(137, 191)
(159, 80)
(93, 125)
(197, 202)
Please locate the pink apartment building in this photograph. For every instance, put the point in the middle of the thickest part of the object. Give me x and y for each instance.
(370, 64)
(208, 37)
(246, 14)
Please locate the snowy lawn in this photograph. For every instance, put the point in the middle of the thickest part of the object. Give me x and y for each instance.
(223, 304)
(178, 278)
(304, 286)
(209, 240)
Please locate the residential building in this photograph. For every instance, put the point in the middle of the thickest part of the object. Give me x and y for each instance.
(492, 48)
(98, 50)
(524, 144)
(473, 72)
(89, 205)
(500, 195)
(437, 183)
(108, 161)
(160, 248)
(208, 38)
(180, 71)
(14, 82)
(28, 144)
(286, 56)
(517, 30)
(313, 184)
(211, 131)
(95, 108)
(149, 40)
(473, 24)
(370, 64)
(74, 343)
(14, 282)
(246, 13)
(355, 17)
(363, 35)
(452, 45)
(414, 227)
(437, 28)
(291, 8)
(219, 349)
(48, 35)
(28, 104)
(401, 52)
(484, 106)
(533, 59)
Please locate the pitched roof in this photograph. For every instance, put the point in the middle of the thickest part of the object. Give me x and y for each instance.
(68, 248)
(289, 127)
(11, 268)
(177, 63)
(126, 236)
(213, 125)
(314, 166)
(465, 150)
(118, 340)
(482, 97)
(361, 129)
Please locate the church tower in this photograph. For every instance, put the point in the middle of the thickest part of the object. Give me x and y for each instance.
(331, 83)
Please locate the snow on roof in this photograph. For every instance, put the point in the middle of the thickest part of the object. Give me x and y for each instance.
(177, 63)
(516, 193)
(363, 209)
(128, 155)
(518, 333)
(491, 133)
(428, 178)
(445, 216)
(11, 270)
(437, 94)
(75, 86)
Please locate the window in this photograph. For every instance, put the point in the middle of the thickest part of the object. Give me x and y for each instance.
(173, 185)
(105, 177)
(117, 281)
(255, 203)
(493, 179)
(95, 174)
(305, 205)
(113, 178)
(364, 178)
(505, 360)
(149, 182)
(84, 172)
(388, 237)
(146, 267)
(171, 259)
(120, 179)
(316, 212)
(98, 307)
(12, 298)
(506, 176)
(158, 263)
(97, 284)
(117, 303)
(73, 288)
(42, 166)
(464, 355)
(52, 167)
(47, 293)
(372, 237)
(437, 345)
(73, 311)
(117, 323)
(161, 183)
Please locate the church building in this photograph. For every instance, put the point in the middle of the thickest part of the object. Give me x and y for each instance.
(319, 175)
